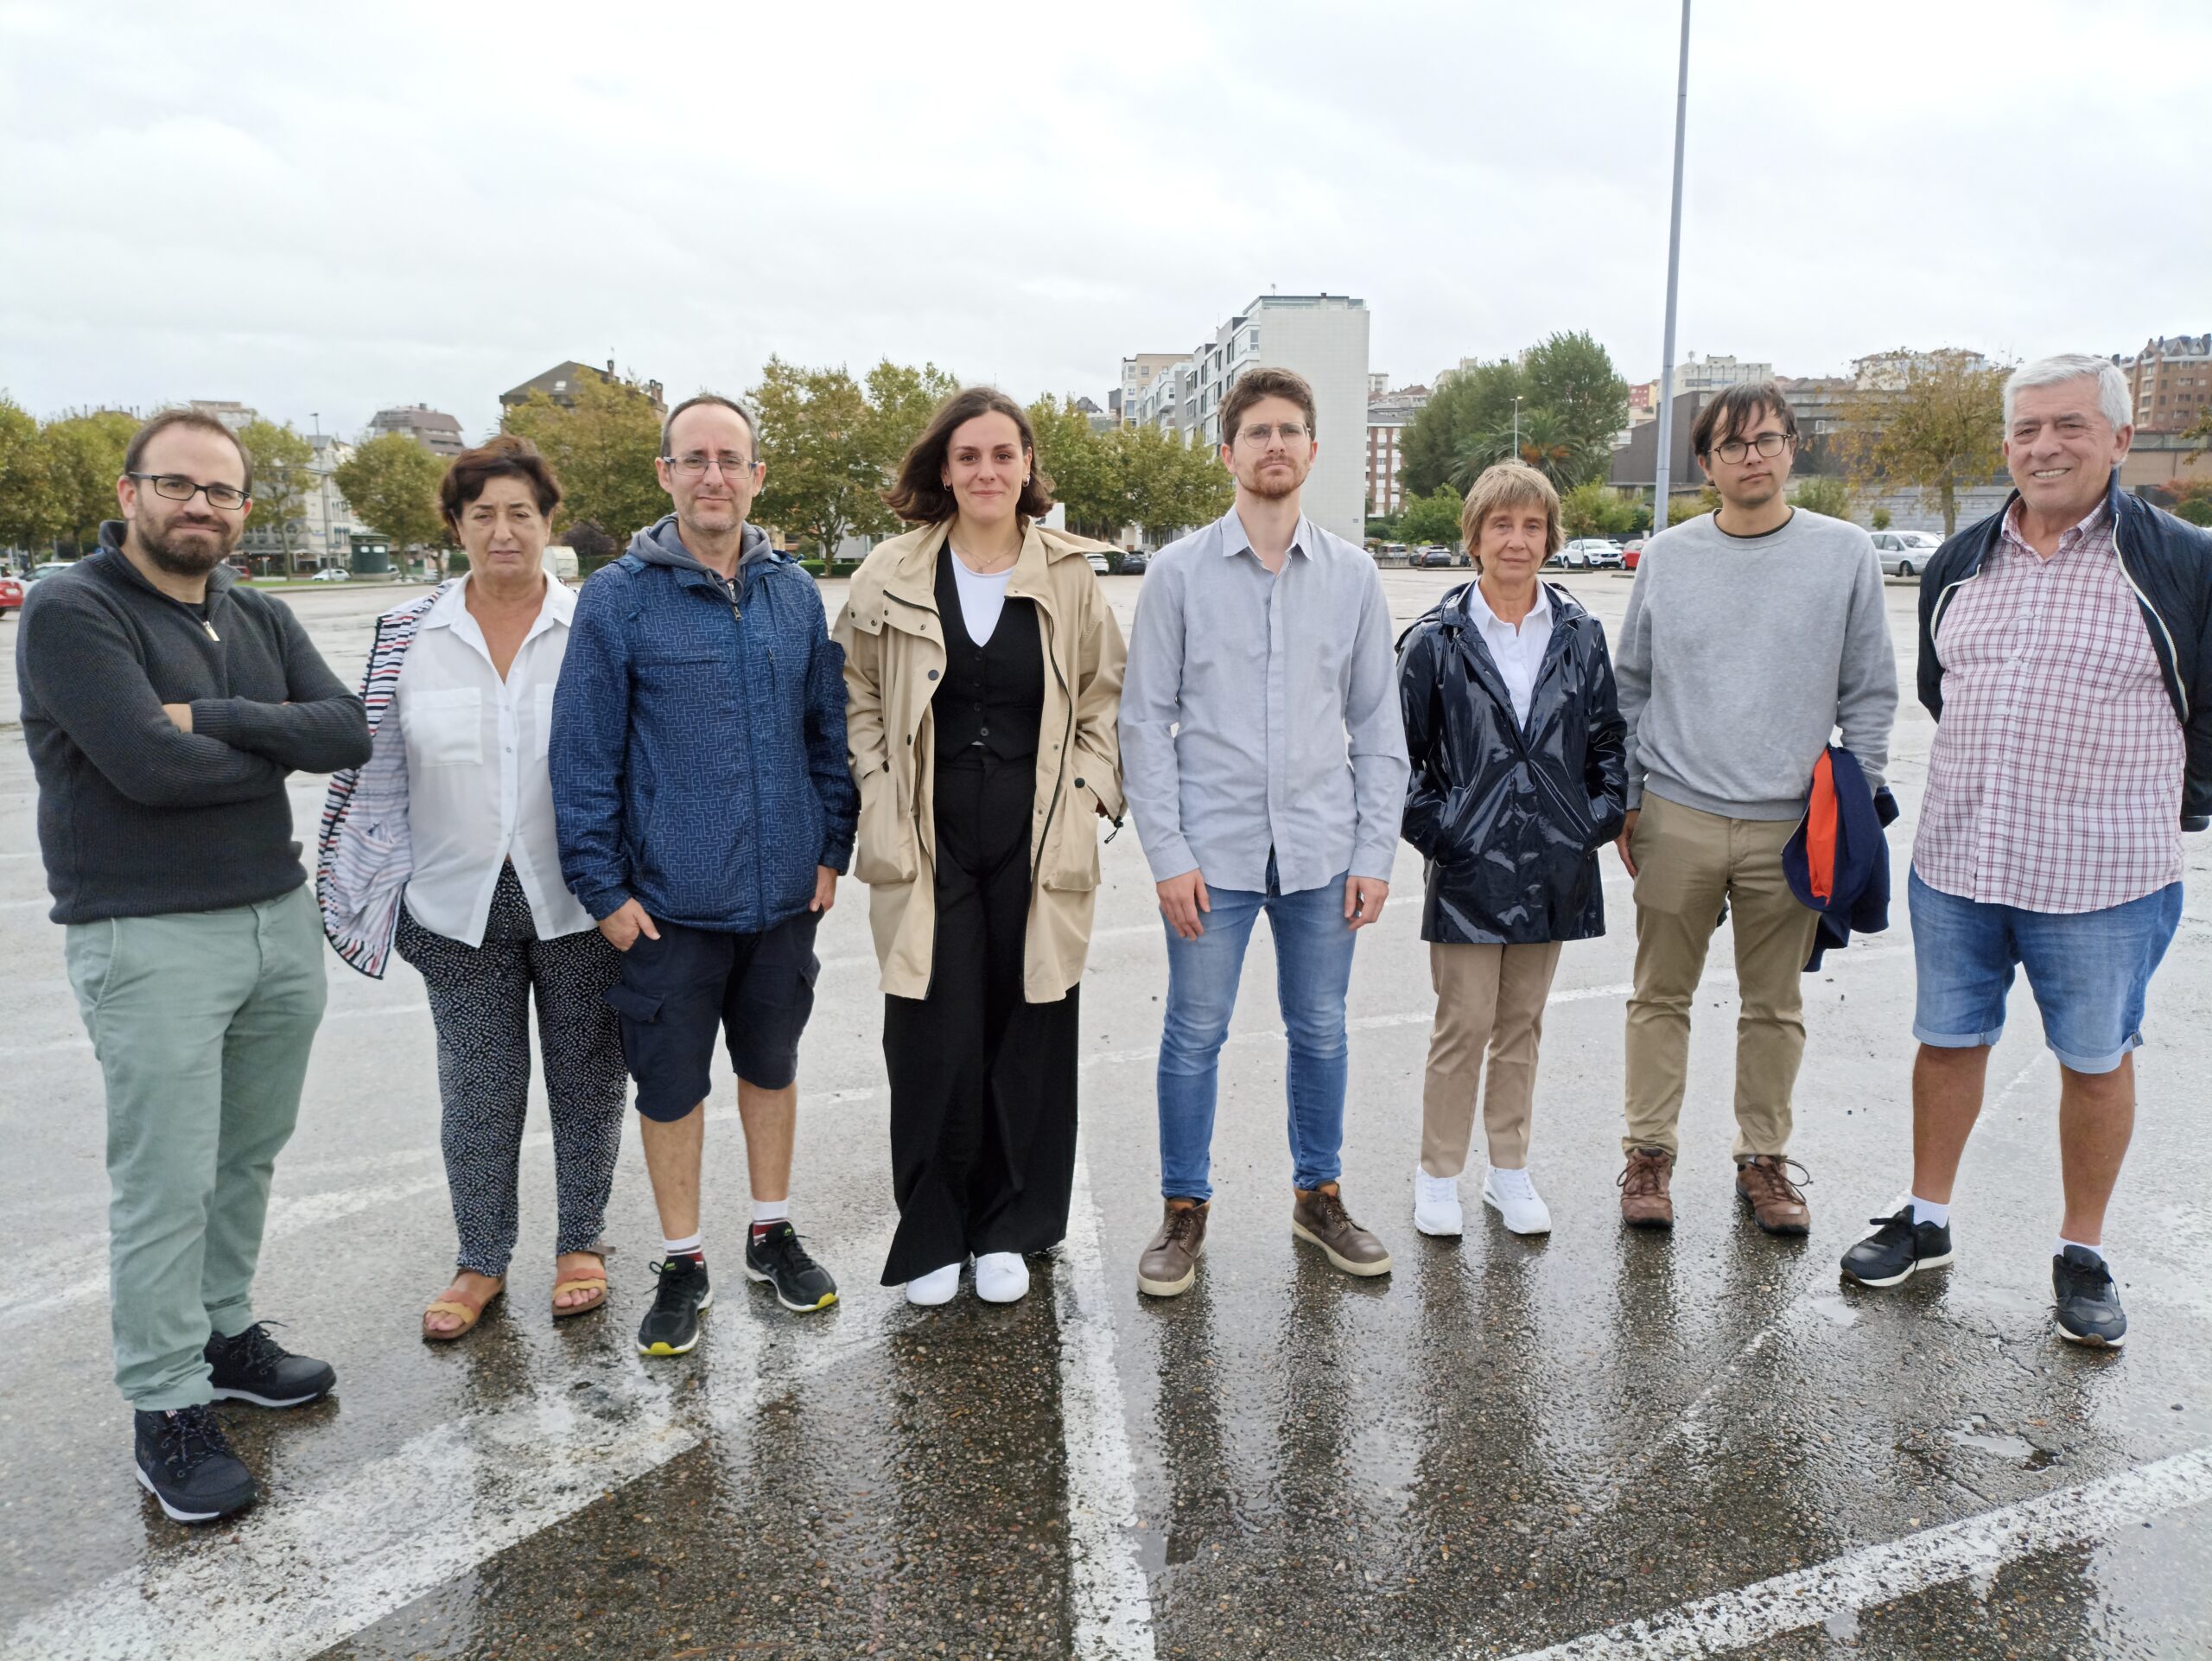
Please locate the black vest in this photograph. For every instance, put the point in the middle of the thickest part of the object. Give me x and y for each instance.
(992, 697)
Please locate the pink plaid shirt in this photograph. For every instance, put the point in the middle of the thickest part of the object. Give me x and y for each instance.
(2056, 781)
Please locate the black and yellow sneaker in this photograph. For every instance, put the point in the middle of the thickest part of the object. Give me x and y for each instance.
(184, 1460)
(672, 1325)
(774, 1257)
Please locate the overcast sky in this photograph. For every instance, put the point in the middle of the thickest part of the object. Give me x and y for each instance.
(326, 210)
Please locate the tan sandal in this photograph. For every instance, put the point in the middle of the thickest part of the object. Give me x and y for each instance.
(470, 1314)
(595, 1284)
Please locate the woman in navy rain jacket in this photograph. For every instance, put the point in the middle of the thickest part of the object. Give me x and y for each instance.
(1517, 751)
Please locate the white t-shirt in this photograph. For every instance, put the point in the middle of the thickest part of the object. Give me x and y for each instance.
(981, 599)
(1518, 653)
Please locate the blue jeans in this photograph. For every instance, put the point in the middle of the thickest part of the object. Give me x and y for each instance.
(2089, 969)
(1313, 969)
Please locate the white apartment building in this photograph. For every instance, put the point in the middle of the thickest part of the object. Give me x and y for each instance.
(1138, 374)
(1387, 417)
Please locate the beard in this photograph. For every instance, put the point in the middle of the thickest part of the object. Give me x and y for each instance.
(1272, 486)
(196, 558)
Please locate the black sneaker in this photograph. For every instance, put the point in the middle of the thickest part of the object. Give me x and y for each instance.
(2088, 1303)
(185, 1462)
(672, 1325)
(777, 1259)
(1897, 1250)
(254, 1367)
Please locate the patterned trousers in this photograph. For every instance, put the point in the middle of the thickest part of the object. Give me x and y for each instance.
(480, 1003)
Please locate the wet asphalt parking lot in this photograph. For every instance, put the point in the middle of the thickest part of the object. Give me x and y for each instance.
(1602, 1444)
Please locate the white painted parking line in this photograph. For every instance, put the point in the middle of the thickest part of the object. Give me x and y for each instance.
(1112, 1604)
(1882, 1574)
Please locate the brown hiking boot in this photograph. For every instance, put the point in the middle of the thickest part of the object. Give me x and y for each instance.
(1170, 1261)
(1644, 1201)
(1763, 1184)
(1319, 1219)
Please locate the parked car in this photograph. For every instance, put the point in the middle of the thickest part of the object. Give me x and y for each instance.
(1606, 555)
(1582, 553)
(1905, 553)
(331, 574)
(11, 596)
(1632, 552)
(1097, 561)
(1434, 557)
(48, 568)
(1136, 562)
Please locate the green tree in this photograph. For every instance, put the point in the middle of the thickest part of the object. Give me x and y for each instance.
(1471, 402)
(1433, 518)
(1932, 419)
(2187, 498)
(825, 474)
(602, 447)
(1880, 518)
(82, 459)
(284, 475)
(392, 482)
(1594, 508)
(1172, 486)
(27, 516)
(1572, 376)
(900, 401)
(1546, 441)
(1088, 469)
(1823, 493)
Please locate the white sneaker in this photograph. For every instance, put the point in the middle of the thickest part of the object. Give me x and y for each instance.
(1436, 1205)
(935, 1288)
(1514, 1197)
(1001, 1278)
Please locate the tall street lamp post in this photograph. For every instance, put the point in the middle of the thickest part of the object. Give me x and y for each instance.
(1666, 433)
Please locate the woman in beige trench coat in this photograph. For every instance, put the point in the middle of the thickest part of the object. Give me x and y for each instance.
(983, 677)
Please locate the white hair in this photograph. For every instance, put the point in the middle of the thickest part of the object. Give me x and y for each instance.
(2113, 396)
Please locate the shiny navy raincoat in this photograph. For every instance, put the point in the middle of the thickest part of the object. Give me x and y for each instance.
(1510, 819)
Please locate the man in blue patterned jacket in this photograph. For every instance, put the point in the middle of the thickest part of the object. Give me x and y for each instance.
(705, 810)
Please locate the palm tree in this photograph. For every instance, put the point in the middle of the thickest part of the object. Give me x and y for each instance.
(1548, 443)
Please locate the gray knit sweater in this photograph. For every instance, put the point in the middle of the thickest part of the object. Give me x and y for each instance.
(1741, 657)
(136, 817)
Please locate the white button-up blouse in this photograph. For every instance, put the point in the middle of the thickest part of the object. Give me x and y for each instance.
(479, 794)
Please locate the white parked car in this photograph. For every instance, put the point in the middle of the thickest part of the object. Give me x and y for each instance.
(1905, 553)
(1589, 553)
(331, 574)
(1097, 561)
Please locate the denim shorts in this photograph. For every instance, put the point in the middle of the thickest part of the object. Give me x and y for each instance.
(677, 992)
(2088, 971)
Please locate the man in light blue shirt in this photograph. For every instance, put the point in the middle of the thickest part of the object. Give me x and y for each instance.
(1265, 761)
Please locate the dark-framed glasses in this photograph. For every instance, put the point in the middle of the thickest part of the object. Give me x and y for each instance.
(1259, 433)
(696, 467)
(1767, 444)
(175, 488)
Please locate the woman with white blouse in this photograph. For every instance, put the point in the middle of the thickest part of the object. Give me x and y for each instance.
(443, 844)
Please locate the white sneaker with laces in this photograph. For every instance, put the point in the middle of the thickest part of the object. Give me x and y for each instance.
(1436, 1205)
(1001, 1278)
(1515, 1199)
(935, 1288)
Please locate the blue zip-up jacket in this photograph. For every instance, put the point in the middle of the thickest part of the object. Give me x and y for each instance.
(698, 740)
(2168, 561)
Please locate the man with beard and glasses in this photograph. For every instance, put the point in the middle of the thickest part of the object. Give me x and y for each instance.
(164, 708)
(1266, 764)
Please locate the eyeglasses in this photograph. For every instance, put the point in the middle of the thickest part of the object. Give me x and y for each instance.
(696, 467)
(1258, 436)
(178, 488)
(1767, 444)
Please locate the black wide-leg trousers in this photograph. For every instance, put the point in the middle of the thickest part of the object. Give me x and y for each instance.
(982, 1084)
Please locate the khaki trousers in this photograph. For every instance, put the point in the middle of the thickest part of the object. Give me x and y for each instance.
(1687, 862)
(1488, 998)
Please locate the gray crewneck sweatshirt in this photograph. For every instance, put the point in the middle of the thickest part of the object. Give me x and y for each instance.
(1741, 657)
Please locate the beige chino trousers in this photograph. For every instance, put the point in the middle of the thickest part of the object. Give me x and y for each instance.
(1687, 863)
(1488, 998)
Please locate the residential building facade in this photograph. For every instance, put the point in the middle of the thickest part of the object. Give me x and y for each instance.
(434, 430)
(1388, 414)
(2170, 380)
(559, 383)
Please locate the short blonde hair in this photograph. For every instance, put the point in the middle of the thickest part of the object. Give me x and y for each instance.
(1509, 485)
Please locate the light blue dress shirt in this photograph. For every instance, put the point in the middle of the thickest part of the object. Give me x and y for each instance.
(1260, 712)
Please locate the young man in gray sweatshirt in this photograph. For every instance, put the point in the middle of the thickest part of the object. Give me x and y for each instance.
(1753, 634)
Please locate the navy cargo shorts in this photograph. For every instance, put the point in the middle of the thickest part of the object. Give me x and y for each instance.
(675, 991)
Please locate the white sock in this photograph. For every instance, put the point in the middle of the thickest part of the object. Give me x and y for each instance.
(1513, 1181)
(772, 1210)
(2098, 1252)
(687, 1247)
(1926, 1211)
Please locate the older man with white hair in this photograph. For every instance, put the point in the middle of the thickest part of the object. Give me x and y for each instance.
(2066, 652)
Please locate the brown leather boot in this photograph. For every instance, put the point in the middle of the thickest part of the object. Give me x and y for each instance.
(1763, 1184)
(1319, 1219)
(1170, 1261)
(1645, 1202)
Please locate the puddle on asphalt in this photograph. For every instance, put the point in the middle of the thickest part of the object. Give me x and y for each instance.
(1835, 1310)
(1977, 1434)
